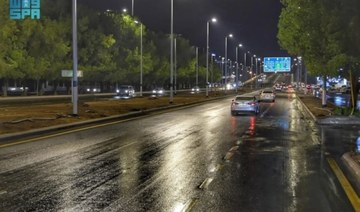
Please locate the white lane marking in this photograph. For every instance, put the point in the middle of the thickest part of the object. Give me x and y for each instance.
(263, 113)
(189, 205)
(205, 184)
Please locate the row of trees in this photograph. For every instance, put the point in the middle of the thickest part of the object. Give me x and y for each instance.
(326, 33)
(33, 52)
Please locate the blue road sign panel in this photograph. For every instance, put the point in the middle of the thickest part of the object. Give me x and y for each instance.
(277, 64)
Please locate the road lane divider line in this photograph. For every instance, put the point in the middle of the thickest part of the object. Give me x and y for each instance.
(190, 204)
(228, 155)
(205, 184)
(345, 184)
(267, 110)
(219, 167)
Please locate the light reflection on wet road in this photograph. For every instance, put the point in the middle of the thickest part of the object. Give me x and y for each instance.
(200, 158)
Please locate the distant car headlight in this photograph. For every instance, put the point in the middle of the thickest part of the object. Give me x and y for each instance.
(154, 91)
(88, 89)
(161, 91)
(117, 90)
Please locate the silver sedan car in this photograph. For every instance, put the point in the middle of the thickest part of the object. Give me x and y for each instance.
(267, 95)
(245, 104)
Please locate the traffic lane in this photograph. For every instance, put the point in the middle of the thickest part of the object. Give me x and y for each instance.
(276, 165)
(154, 163)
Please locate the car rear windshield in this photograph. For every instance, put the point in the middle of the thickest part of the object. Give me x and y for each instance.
(244, 98)
(267, 92)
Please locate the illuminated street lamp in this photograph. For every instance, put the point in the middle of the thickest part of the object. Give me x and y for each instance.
(226, 59)
(207, 54)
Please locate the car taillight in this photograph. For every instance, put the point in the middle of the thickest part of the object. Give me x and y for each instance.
(251, 103)
(235, 103)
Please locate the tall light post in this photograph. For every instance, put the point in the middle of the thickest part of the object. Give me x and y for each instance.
(171, 52)
(197, 65)
(226, 39)
(132, 8)
(222, 68)
(207, 54)
(175, 65)
(212, 70)
(237, 67)
(141, 57)
(257, 71)
(75, 59)
(245, 62)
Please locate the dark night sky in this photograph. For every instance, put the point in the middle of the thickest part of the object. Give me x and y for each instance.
(253, 22)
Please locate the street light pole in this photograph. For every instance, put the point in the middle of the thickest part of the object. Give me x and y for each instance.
(212, 70)
(226, 60)
(237, 68)
(75, 59)
(132, 8)
(197, 65)
(207, 55)
(175, 65)
(141, 59)
(171, 52)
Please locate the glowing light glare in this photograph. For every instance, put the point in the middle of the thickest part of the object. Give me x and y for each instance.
(228, 86)
(358, 145)
(230, 35)
(214, 20)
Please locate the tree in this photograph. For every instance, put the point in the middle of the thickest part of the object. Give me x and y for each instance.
(312, 29)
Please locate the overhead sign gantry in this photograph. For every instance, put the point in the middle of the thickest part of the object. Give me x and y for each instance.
(277, 64)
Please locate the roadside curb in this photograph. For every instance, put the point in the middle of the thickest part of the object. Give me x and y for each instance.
(352, 166)
(307, 110)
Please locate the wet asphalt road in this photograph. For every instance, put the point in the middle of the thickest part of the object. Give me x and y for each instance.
(199, 159)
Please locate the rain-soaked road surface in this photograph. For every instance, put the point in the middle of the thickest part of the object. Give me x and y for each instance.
(199, 159)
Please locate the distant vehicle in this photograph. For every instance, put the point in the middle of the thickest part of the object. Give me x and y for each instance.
(89, 89)
(345, 89)
(17, 91)
(195, 89)
(267, 95)
(245, 104)
(51, 90)
(158, 92)
(125, 91)
(277, 88)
